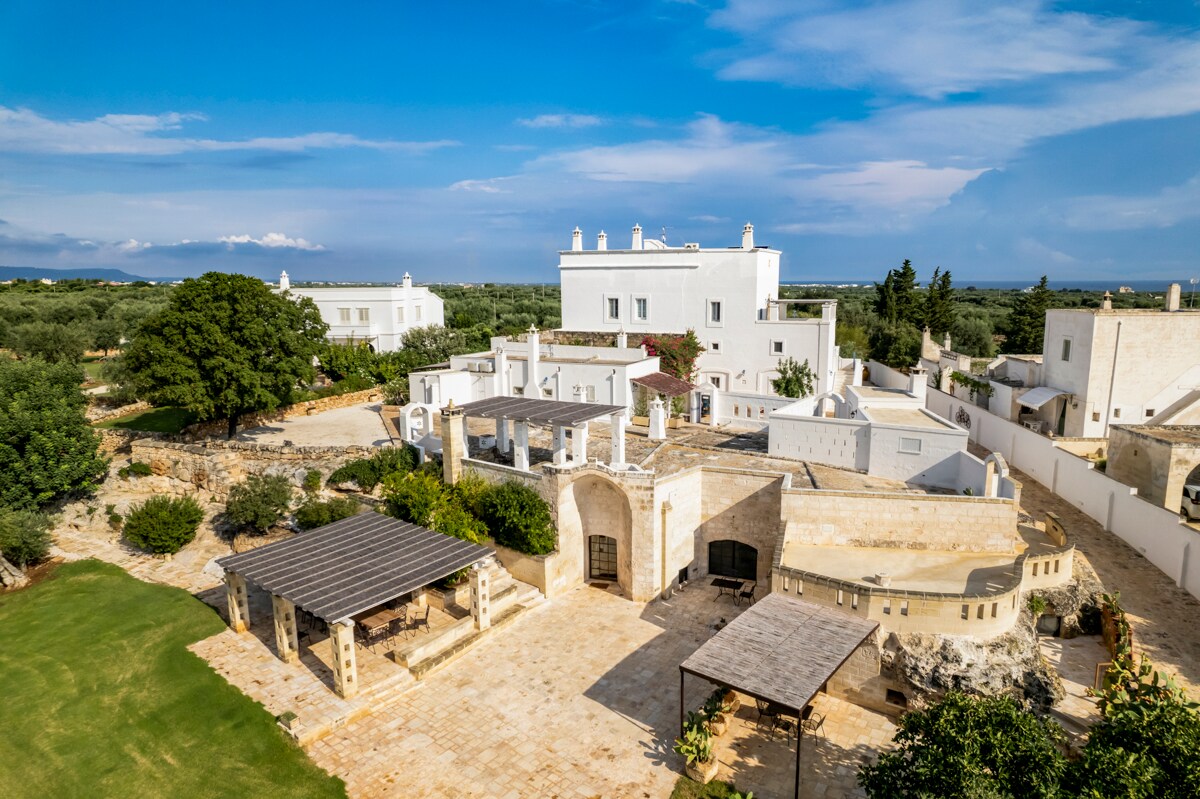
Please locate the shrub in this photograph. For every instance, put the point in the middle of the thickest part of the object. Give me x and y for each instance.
(395, 391)
(369, 472)
(454, 520)
(518, 518)
(24, 536)
(415, 498)
(135, 469)
(259, 502)
(162, 524)
(470, 491)
(313, 513)
(312, 481)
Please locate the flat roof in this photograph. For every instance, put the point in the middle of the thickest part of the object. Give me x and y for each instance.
(354, 564)
(539, 411)
(911, 417)
(781, 649)
(1185, 434)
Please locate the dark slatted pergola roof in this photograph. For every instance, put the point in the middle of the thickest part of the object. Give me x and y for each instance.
(663, 383)
(781, 650)
(354, 564)
(539, 411)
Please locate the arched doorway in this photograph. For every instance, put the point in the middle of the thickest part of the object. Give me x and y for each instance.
(733, 559)
(602, 557)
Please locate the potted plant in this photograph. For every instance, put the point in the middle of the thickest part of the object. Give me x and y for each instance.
(716, 712)
(730, 697)
(696, 746)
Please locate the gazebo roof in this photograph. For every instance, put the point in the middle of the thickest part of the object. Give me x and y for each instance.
(781, 649)
(539, 411)
(354, 564)
(663, 383)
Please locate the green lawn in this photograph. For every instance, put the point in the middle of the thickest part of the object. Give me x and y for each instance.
(155, 420)
(102, 699)
(687, 788)
(92, 368)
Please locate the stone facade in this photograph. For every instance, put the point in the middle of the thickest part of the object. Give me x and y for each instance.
(1155, 460)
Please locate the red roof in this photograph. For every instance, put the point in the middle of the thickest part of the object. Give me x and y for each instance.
(664, 384)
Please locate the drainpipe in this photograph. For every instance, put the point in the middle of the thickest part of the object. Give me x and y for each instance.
(1112, 379)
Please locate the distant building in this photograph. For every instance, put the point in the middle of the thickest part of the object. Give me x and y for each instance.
(1125, 290)
(378, 315)
(729, 296)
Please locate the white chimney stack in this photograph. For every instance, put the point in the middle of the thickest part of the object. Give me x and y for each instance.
(533, 387)
(748, 237)
(637, 237)
(407, 281)
(1173, 297)
(602, 241)
(622, 339)
(284, 283)
(577, 240)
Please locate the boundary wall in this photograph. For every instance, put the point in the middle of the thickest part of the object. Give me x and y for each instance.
(1155, 532)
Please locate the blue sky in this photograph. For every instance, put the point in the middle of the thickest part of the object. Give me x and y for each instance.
(464, 141)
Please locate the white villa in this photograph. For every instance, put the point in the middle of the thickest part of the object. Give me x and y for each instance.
(378, 315)
(729, 296)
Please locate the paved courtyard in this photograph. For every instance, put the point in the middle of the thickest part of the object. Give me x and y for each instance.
(578, 698)
(357, 425)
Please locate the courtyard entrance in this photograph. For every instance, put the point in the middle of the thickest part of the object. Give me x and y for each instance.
(602, 557)
(733, 559)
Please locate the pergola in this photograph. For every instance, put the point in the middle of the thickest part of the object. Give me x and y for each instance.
(663, 383)
(555, 414)
(342, 569)
(780, 650)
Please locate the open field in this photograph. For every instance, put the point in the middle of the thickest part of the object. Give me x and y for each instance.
(155, 420)
(102, 699)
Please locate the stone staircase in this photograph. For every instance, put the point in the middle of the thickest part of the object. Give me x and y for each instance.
(842, 378)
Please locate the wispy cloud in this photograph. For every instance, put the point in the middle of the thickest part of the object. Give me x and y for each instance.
(561, 121)
(273, 241)
(488, 186)
(24, 130)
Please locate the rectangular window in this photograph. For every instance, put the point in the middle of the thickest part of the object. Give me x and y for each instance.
(910, 446)
(548, 393)
(589, 393)
(1116, 413)
(614, 309)
(777, 348)
(887, 607)
(1066, 349)
(344, 316)
(714, 346)
(641, 309)
(716, 381)
(364, 315)
(714, 311)
(904, 607)
(1095, 416)
(854, 601)
(400, 314)
(416, 313)
(839, 596)
(1149, 412)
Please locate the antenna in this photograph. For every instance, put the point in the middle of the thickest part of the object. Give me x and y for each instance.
(664, 234)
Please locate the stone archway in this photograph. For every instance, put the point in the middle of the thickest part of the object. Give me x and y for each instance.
(406, 421)
(595, 507)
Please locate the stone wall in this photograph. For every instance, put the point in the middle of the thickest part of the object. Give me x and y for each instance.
(908, 521)
(99, 413)
(115, 441)
(740, 505)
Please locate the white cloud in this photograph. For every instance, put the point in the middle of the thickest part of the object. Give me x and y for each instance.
(133, 245)
(1163, 209)
(24, 130)
(272, 240)
(487, 186)
(561, 121)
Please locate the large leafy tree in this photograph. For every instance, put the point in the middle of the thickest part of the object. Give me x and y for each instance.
(47, 448)
(51, 341)
(795, 379)
(1026, 326)
(938, 313)
(224, 346)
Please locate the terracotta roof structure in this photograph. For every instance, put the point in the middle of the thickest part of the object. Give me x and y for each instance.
(665, 384)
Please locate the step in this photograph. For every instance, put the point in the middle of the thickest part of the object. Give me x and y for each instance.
(425, 667)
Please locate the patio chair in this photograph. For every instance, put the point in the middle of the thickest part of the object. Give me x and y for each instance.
(746, 594)
(767, 710)
(420, 619)
(399, 624)
(814, 723)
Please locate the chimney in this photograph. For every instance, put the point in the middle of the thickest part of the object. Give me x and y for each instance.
(1106, 305)
(946, 342)
(284, 283)
(602, 241)
(533, 387)
(407, 281)
(577, 240)
(1173, 297)
(622, 339)
(918, 382)
(637, 237)
(748, 237)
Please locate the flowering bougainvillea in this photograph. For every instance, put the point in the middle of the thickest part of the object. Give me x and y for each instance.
(676, 354)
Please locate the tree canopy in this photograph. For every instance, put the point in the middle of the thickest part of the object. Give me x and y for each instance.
(795, 379)
(1026, 326)
(224, 346)
(47, 448)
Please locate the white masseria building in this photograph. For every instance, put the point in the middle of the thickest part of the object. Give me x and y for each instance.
(729, 296)
(378, 315)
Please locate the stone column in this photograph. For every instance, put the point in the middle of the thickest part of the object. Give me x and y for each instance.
(714, 404)
(502, 440)
(560, 445)
(658, 420)
(579, 436)
(454, 444)
(239, 602)
(521, 446)
(287, 642)
(345, 667)
(481, 597)
(617, 420)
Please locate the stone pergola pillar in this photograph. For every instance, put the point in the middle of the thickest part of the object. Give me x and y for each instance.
(287, 642)
(521, 446)
(618, 440)
(345, 666)
(658, 420)
(559, 445)
(503, 442)
(481, 597)
(239, 602)
(454, 443)
(579, 437)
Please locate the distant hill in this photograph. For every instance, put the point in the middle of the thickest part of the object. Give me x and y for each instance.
(37, 273)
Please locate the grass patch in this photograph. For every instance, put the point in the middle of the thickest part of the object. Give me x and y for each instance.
(687, 788)
(104, 700)
(92, 370)
(155, 420)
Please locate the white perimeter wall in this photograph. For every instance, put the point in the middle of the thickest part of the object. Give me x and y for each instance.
(1155, 532)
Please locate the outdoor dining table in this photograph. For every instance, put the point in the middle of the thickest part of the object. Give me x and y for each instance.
(726, 585)
(377, 622)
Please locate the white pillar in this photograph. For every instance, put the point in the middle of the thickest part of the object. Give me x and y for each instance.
(856, 376)
(576, 240)
(559, 445)
(533, 385)
(622, 339)
(658, 420)
(579, 436)
(499, 380)
(521, 446)
(714, 405)
(502, 440)
(239, 602)
(287, 642)
(481, 597)
(345, 665)
(617, 420)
